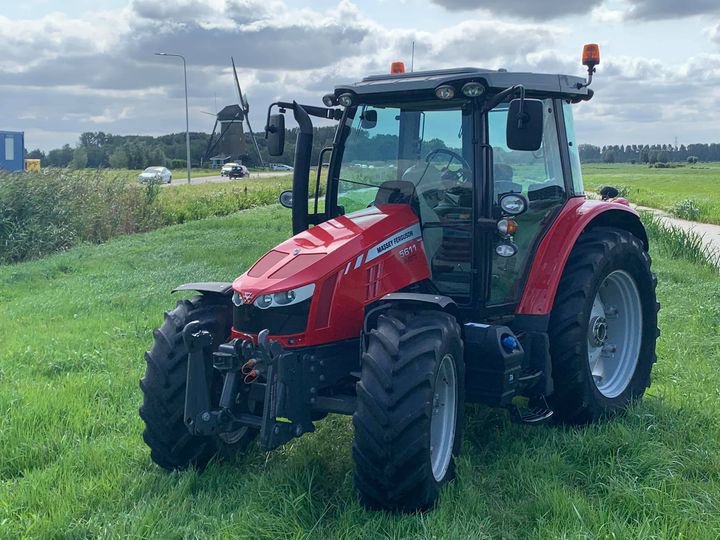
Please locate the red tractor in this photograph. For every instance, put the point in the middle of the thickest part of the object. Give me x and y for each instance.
(453, 258)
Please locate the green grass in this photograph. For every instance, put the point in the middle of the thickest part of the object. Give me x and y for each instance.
(183, 203)
(664, 189)
(73, 464)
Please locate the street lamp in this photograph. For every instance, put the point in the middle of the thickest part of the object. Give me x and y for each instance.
(187, 121)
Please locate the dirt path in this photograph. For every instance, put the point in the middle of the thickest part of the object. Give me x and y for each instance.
(710, 233)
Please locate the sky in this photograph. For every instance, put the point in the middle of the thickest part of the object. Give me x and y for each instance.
(72, 66)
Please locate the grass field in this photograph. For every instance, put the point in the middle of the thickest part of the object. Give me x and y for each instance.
(190, 202)
(73, 464)
(663, 188)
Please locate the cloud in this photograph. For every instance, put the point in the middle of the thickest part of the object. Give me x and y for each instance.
(98, 71)
(714, 33)
(669, 9)
(523, 9)
(645, 101)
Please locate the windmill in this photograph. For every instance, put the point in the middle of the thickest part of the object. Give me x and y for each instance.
(230, 140)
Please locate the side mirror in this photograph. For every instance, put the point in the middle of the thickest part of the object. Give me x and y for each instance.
(286, 199)
(525, 124)
(275, 134)
(368, 120)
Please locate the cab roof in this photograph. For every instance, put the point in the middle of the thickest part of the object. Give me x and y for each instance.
(495, 80)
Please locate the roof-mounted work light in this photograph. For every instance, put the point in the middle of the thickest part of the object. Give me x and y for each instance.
(397, 67)
(445, 91)
(346, 99)
(473, 89)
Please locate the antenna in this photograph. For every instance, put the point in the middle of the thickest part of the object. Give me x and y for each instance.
(412, 58)
(246, 109)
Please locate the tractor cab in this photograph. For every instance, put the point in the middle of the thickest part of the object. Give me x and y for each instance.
(486, 159)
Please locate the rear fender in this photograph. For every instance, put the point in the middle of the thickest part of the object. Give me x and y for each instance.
(577, 216)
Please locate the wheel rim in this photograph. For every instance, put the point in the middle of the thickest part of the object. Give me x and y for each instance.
(615, 333)
(442, 421)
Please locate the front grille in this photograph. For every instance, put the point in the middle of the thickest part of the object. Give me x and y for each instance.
(280, 321)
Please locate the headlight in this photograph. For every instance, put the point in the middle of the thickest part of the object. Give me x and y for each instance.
(513, 204)
(237, 299)
(285, 298)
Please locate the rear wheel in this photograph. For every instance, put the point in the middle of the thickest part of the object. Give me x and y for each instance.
(603, 326)
(163, 387)
(409, 418)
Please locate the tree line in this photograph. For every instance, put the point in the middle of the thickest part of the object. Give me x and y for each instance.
(104, 150)
(656, 153)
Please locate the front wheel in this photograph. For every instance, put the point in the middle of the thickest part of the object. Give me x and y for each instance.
(603, 326)
(409, 417)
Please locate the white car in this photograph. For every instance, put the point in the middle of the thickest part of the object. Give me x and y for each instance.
(156, 174)
(280, 167)
(225, 170)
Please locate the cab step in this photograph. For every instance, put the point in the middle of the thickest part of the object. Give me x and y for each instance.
(535, 415)
(532, 411)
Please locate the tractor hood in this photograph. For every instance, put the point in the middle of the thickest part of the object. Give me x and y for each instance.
(342, 242)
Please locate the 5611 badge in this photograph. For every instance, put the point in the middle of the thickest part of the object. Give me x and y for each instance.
(398, 239)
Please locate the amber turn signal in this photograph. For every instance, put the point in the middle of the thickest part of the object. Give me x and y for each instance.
(507, 226)
(397, 68)
(591, 55)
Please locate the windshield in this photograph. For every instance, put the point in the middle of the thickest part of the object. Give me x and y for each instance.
(390, 144)
(153, 169)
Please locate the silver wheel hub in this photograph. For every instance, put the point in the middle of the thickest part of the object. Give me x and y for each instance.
(598, 330)
(615, 333)
(444, 417)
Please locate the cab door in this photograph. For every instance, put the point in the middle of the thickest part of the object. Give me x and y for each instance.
(541, 177)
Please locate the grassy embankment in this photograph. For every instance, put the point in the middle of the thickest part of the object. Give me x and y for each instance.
(73, 463)
(57, 209)
(690, 192)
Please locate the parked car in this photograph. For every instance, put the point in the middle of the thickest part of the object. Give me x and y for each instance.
(226, 168)
(238, 171)
(156, 174)
(280, 167)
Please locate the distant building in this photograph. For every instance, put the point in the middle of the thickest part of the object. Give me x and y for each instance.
(12, 150)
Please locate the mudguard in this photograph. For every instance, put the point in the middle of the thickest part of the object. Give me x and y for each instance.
(211, 287)
(577, 215)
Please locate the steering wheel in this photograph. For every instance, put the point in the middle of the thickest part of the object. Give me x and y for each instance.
(453, 156)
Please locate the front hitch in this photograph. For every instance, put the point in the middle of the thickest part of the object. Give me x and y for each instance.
(275, 375)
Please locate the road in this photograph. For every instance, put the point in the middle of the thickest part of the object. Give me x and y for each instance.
(182, 181)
